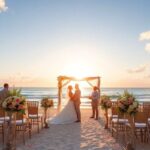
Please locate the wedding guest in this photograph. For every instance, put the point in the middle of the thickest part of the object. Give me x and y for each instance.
(95, 102)
(4, 93)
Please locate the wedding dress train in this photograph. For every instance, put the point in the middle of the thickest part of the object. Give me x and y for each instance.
(66, 115)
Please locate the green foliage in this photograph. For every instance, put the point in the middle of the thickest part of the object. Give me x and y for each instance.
(126, 95)
(15, 92)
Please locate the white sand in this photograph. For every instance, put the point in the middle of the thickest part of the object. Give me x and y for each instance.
(89, 135)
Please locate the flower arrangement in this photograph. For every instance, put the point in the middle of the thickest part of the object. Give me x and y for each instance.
(105, 102)
(14, 104)
(127, 103)
(46, 102)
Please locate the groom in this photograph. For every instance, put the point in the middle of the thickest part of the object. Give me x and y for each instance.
(77, 102)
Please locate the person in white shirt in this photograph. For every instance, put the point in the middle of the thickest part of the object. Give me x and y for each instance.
(95, 102)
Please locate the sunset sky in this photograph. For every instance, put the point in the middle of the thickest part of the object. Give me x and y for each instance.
(42, 39)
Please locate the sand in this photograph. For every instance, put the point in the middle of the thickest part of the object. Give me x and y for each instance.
(87, 135)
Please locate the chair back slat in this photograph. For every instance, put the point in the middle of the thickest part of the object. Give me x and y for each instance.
(33, 107)
(2, 112)
(146, 107)
(114, 103)
(140, 117)
(114, 110)
(19, 116)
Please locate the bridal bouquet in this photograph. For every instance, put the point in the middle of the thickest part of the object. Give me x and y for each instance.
(14, 104)
(127, 103)
(46, 102)
(105, 102)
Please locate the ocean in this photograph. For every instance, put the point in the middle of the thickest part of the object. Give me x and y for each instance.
(142, 94)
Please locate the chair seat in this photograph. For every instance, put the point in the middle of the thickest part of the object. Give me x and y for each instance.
(1, 122)
(112, 116)
(4, 118)
(140, 125)
(21, 122)
(35, 116)
(116, 120)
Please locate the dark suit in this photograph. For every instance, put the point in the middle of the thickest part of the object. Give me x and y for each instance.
(3, 95)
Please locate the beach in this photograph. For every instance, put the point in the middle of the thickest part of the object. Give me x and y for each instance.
(87, 135)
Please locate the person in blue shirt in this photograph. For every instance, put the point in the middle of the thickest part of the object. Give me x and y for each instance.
(95, 102)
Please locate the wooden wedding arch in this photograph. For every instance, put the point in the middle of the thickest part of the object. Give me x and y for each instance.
(64, 80)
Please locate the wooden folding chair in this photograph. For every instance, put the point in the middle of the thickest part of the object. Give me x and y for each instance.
(114, 113)
(34, 115)
(141, 126)
(118, 124)
(146, 110)
(2, 122)
(23, 125)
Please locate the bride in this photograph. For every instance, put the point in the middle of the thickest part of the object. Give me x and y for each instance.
(68, 113)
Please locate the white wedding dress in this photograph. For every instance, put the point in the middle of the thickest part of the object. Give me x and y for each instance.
(66, 115)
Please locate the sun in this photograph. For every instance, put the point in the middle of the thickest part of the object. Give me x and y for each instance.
(77, 70)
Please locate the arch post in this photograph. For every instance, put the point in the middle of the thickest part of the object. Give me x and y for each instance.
(59, 91)
(98, 85)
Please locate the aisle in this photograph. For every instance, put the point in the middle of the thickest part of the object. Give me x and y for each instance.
(89, 135)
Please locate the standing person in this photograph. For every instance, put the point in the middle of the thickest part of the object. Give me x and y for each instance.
(77, 102)
(95, 101)
(68, 113)
(4, 93)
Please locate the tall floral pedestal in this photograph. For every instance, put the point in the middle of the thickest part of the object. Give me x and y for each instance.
(45, 118)
(130, 136)
(10, 132)
(106, 118)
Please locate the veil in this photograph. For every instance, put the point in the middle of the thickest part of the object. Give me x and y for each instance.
(65, 99)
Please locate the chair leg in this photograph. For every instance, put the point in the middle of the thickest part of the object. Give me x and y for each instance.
(24, 135)
(42, 122)
(3, 133)
(38, 126)
(141, 135)
(112, 128)
(147, 135)
(117, 131)
(30, 128)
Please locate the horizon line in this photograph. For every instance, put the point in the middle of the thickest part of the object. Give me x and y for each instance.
(64, 87)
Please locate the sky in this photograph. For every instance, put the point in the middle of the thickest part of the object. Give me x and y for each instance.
(42, 39)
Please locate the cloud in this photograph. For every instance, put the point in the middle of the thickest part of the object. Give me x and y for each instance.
(144, 36)
(147, 47)
(138, 69)
(3, 6)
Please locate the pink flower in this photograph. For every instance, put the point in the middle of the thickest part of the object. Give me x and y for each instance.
(21, 107)
(17, 100)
